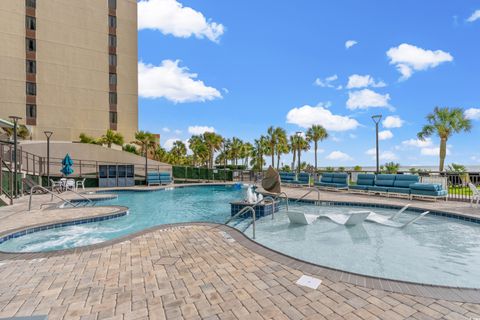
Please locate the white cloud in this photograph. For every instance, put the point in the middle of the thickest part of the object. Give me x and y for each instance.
(392, 122)
(384, 156)
(165, 129)
(350, 43)
(168, 144)
(178, 131)
(408, 58)
(359, 81)
(418, 143)
(327, 82)
(472, 113)
(173, 83)
(385, 135)
(339, 156)
(171, 17)
(474, 17)
(433, 151)
(366, 98)
(352, 136)
(200, 129)
(307, 116)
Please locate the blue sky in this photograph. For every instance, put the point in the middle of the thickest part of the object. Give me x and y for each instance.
(238, 67)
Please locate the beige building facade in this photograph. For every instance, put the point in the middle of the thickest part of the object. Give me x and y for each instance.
(69, 66)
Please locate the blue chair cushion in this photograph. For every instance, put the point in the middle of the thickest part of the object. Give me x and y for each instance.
(365, 179)
(378, 188)
(405, 180)
(343, 175)
(331, 185)
(339, 180)
(399, 190)
(359, 187)
(385, 180)
(326, 177)
(426, 186)
(438, 193)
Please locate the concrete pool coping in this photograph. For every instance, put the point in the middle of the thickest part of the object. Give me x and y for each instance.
(397, 286)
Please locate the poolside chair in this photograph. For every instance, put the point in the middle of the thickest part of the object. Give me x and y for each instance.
(70, 184)
(475, 194)
(80, 183)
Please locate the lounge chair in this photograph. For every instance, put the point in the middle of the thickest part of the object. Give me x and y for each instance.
(475, 194)
(287, 178)
(332, 180)
(303, 179)
(298, 217)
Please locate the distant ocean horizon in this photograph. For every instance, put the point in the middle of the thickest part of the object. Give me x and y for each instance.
(470, 168)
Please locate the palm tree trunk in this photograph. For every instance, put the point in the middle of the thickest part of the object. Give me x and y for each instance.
(443, 152)
(278, 160)
(273, 156)
(294, 158)
(316, 148)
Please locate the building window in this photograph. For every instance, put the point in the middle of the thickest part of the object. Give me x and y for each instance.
(31, 111)
(112, 4)
(113, 98)
(31, 89)
(31, 66)
(30, 3)
(113, 117)
(112, 40)
(113, 78)
(112, 21)
(112, 59)
(31, 44)
(30, 23)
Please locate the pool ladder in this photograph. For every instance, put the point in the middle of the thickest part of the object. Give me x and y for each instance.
(252, 210)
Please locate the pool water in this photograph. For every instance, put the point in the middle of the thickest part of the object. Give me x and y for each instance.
(433, 250)
(146, 209)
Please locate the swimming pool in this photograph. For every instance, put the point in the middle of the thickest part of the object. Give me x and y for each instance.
(146, 209)
(434, 250)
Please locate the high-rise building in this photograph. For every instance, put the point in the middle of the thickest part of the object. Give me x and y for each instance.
(69, 66)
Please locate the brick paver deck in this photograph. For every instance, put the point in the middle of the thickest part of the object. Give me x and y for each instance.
(194, 272)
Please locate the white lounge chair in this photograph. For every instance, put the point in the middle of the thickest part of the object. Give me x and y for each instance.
(475, 194)
(298, 217)
(377, 218)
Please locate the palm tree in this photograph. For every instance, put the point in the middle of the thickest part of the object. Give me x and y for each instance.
(145, 140)
(316, 133)
(236, 149)
(302, 145)
(22, 132)
(247, 152)
(281, 145)
(178, 152)
(293, 147)
(111, 137)
(444, 122)
(272, 142)
(199, 149)
(213, 142)
(160, 154)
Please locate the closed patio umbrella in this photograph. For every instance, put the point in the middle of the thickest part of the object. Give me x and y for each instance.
(67, 164)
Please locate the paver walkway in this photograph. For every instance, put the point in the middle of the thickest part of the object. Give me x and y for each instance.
(193, 272)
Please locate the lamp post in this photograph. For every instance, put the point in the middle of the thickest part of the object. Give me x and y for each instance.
(48, 134)
(15, 164)
(376, 119)
(299, 135)
(224, 161)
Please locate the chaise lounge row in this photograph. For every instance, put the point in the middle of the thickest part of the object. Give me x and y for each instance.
(404, 184)
(158, 178)
(292, 178)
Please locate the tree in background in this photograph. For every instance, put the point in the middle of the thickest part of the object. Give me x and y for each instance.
(390, 167)
(444, 122)
(214, 143)
(130, 148)
(111, 137)
(316, 133)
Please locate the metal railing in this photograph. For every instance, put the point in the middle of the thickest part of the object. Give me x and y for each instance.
(244, 210)
(310, 191)
(48, 191)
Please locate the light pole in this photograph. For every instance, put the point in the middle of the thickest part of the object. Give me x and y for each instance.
(224, 162)
(376, 119)
(299, 135)
(48, 134)
(15, 164)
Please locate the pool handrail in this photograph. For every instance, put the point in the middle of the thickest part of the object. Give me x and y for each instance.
(48, 191)
(249, 208)
(81, 196)
(310, 191)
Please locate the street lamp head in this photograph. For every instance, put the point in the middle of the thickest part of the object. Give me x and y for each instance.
(48, 134)
(15, 118)
(376, 118)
